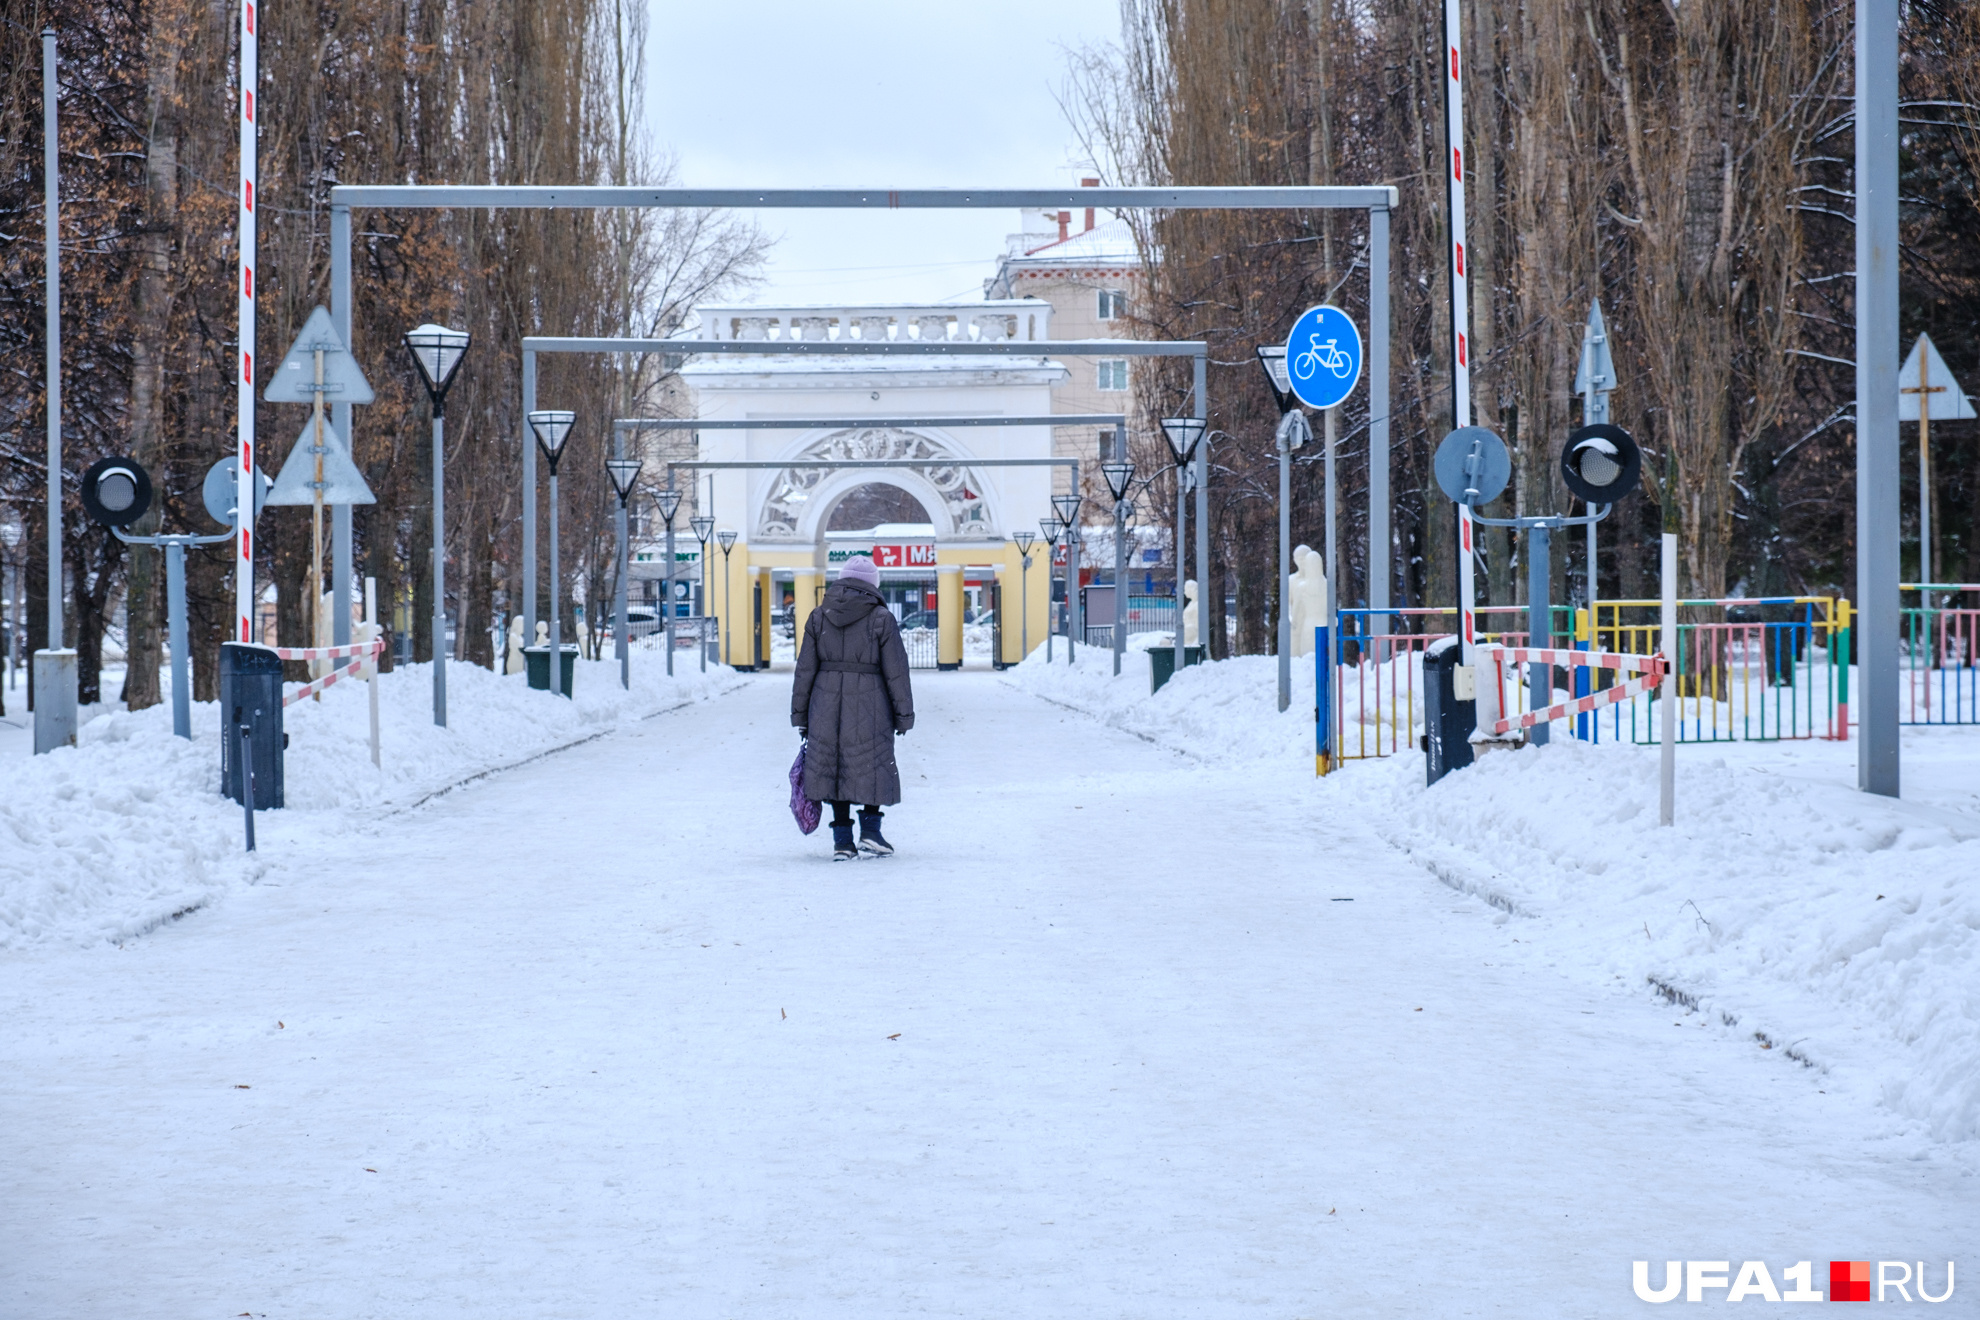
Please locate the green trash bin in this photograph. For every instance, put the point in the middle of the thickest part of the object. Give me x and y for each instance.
(537, 658)
(1162, 663)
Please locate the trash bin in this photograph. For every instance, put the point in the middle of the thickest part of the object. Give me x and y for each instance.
(537, 660)
(1162, 663)
(1447, 720)
(251, 695)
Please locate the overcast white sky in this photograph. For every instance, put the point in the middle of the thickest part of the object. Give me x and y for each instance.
(870, 93)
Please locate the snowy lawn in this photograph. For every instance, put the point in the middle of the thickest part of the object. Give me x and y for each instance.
(1793, 911)
(128, 829)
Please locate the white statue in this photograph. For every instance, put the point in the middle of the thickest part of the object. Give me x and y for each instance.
(512, 658)
(1306, 594)
(543, 632)
(1190, 630)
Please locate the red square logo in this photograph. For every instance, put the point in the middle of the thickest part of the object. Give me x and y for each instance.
(1849, 1280)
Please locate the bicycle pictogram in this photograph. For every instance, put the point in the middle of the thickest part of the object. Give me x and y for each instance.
(1323, 357)
(1318, 355)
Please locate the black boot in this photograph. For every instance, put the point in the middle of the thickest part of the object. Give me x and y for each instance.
(842, 842)
(870, 839)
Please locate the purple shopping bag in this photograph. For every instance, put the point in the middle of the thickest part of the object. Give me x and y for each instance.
(802, 807)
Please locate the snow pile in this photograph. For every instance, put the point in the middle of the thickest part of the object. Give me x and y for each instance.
(1840, 928)
(128, 829)
(1227, 710)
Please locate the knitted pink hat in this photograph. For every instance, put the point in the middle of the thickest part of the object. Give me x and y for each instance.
(860, 569)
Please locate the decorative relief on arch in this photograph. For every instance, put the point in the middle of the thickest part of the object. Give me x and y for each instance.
(790, 498)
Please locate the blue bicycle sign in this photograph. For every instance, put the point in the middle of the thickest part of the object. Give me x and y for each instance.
(1323, 357)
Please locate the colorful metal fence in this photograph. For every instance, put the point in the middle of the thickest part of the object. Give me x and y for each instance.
(1941, 654)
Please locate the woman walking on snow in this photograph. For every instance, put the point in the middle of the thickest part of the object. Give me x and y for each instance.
(850, 701)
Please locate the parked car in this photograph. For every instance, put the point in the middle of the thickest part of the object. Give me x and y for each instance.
(642, 621)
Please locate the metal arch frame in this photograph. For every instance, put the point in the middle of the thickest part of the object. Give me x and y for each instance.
(1195, 349)
(623, 424)
(1377, 200)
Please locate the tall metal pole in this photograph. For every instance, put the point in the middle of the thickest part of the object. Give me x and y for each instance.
(667, 604)
(1285, 569)
(1075, 616)
(1539, 593)
(51, 225)
(439, 563)
(529, 575)
(619, 641)
(1379, 571)
(1668, 643)
(175, 616)
(1182, 597)
(1877, 393)
(1024, 607)
(1200, 393)
(728, 600)
(556, 587)
(341, 419)
(1330, 435)
(1120, 579)
(54, 677)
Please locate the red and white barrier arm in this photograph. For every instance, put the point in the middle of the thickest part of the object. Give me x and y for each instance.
(310, 689)
(1649, 670)
(328, 652)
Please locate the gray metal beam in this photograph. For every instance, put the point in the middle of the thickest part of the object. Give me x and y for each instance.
(403, 196)
(1877, 393)
(877, 347)
(815, 423)
(774, 464)
(341, 421)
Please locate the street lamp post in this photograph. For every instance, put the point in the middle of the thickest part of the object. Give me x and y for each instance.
(623, 472)
(1068, 507)
(1023, 541)
(702, 525)
(726, 629)
(11, 533)
(552, 427)
(669, 501)
(1292, 433)
(1120, 477)
(437, 352)
(1050, 527)
(1184, 434)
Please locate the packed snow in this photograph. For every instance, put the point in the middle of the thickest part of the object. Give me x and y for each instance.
(1142, 1020)
(1795, 911)
(128, 829)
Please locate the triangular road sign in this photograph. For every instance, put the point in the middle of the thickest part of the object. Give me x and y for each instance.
(295, 378)
(342, 482)
(1949, 403)
(1598, 366)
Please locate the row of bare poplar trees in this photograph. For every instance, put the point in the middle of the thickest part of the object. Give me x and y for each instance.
(1687, 164)
(352, 91)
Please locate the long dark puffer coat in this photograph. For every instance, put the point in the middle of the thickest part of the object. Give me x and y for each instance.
(852, 695)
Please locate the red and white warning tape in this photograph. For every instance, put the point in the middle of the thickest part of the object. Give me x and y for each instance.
(1649, 670)
(315, 686)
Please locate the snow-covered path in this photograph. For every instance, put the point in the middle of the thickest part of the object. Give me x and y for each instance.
(1115, 1035)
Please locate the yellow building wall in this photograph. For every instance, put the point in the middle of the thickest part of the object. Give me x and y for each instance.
(1035, 587)
(767, 611)
(805, 583)
(949, 616)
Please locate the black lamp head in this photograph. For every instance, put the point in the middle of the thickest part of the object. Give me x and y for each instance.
(1601, 463)
(116, 491)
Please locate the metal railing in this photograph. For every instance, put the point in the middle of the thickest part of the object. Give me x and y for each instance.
(1941, 655)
